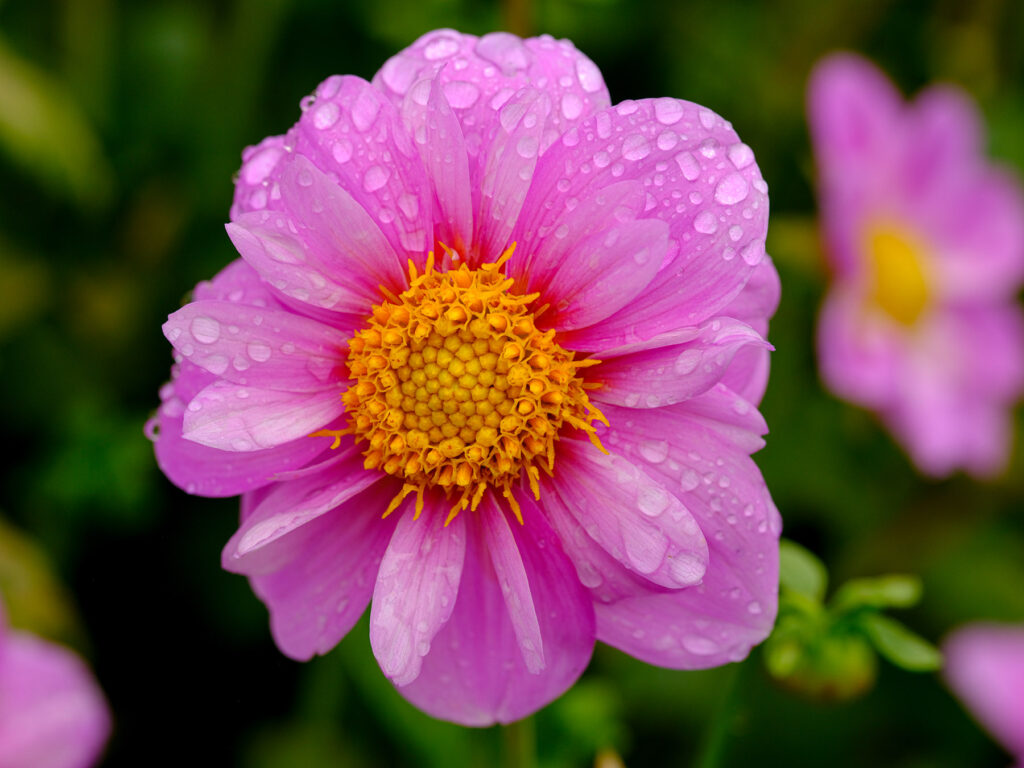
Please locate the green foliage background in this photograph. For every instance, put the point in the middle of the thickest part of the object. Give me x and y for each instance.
(121, 124)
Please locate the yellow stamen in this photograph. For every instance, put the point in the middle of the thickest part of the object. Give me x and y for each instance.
(900, 284)
(455, 388)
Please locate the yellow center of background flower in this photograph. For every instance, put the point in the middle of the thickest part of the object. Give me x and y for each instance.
(454, 387)
(900, 284)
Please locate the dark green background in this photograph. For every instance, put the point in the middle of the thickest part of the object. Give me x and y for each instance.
(121, 124)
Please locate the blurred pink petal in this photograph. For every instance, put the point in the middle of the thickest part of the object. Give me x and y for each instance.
(52, 712)
(985, 668)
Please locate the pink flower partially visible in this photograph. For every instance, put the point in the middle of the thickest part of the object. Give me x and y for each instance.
(985, 668)
(52, 712)
(925, 240)
(524, 327)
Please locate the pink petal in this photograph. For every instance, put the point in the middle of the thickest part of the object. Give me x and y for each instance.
(416, 588)
(292, 504)
(640, 523)
(703, 461)
(605, 577)
(281, 258)
(606, 273)
(235, 418)
(676, 372)
(52, 713)
(280, 350)
(438, 137)
(253, 184)
(510, 572)
(985, 667)
(852, 113)
(354, 134)
(747, 375)
(540, 253)
(506, 165)
(326, 573)
(706, 187)
(345, 242)
(479, 75)
(209, 471)
(475, 673)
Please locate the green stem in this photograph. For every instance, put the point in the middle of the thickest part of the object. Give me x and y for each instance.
(716, 738)
(520, 744)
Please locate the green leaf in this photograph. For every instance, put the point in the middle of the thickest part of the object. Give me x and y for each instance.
(899, 645)
(892, 591)
(801, 571)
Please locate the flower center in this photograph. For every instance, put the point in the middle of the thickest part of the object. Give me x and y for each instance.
(455, 388)
(900, 285)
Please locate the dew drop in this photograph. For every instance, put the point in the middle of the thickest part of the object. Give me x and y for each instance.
(740, 155)
(705, 223)
(753, 253)
(326, 115)
(527, 147)
(376, 177)
(572, 106)
(732, 189)
(652, 500)
(205, 330)
(668, 111)
(707, 118)
(216, 364)
(365, 110)
(654, 451)
(258, 351)
(461, 94)
(589, 75)
(636, 147)
(342, 150)
(688, 165)
(687, 362)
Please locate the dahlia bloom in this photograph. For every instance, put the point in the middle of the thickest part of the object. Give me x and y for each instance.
(925, 240)
(985, 668)
(491, 357)
(52, 713)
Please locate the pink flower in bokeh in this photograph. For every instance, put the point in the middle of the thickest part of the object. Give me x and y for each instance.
(925, 240)
(527, 329)
(985, 667)
(52, 713)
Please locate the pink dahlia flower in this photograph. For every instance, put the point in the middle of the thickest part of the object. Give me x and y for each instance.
(925, 240)
(523, 327)
(52, 713)
(985, 667)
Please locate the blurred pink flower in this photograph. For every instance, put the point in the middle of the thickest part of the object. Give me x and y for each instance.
(52, 713)
(338, 373)
(925, 240)
(985, 668)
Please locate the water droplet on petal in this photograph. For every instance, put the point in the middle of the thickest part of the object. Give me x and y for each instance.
(205, 330)
(668, 111)
(687, 362)
(342, 150)
(589, 75)
(707, 118)
(688, 165)
(375, 178)
(753, 253)
(654, 451)
(365, 110)
(258, 351)
(732, 189)
(740, 155)
(326, 115)
(636, 147)
(572, 106)
(705, 223)
(461, 94)
(700, 646)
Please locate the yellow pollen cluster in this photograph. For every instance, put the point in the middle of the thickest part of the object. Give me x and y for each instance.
(454, 387)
